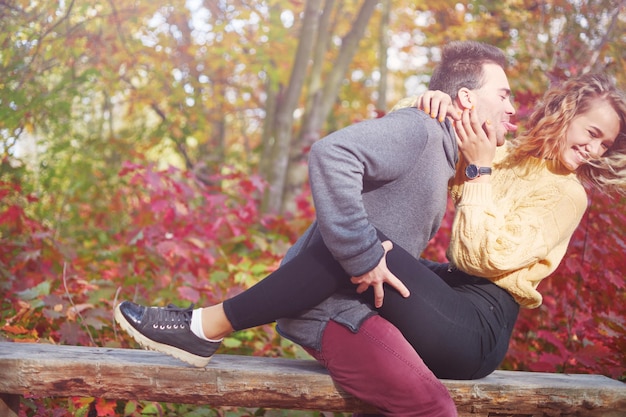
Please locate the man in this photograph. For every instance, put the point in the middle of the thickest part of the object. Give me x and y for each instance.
(363, 352)
(387, 175)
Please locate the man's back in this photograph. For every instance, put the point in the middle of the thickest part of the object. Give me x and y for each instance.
(403, 162)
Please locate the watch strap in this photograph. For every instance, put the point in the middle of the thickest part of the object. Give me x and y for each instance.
(484, 171)
(472, 171)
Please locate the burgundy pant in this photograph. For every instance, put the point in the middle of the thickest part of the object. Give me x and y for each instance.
(378, 366)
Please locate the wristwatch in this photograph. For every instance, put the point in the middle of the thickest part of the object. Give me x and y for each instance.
(473, 171)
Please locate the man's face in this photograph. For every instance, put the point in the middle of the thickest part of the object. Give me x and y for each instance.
(494, 101)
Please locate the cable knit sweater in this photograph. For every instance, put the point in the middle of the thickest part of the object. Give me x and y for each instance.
(515, 230)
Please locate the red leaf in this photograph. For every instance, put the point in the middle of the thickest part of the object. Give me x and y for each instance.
(106, 407)
(189, 294)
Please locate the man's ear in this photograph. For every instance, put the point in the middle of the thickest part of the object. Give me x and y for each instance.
(466, 98)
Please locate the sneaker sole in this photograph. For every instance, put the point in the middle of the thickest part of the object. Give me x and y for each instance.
(183, 355)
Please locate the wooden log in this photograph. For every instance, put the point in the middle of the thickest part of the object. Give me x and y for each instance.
(229, 380)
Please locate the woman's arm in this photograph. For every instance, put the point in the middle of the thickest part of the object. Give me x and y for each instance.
(491, 238)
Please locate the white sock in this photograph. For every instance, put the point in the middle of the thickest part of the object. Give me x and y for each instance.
(196, 325)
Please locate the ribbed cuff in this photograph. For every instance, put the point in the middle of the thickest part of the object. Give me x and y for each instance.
(478, 193)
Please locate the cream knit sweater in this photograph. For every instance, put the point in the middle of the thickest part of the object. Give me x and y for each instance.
(515, 230)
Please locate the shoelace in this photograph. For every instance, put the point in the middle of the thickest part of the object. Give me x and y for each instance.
(171, 317)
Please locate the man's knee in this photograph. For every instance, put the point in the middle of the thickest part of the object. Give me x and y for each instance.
(378, 366)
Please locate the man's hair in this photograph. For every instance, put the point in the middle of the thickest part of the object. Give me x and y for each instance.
(462, 66)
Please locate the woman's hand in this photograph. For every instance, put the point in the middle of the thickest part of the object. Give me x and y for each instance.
(377, 277)
(438, 104)
(476, 142)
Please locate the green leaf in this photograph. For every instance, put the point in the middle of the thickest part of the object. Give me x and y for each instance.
(34, 292)
(231, 342)
(150, 409)
(130, 407)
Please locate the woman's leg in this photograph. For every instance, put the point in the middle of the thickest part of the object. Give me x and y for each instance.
(460, 325)
(302, 283)
(441, 322)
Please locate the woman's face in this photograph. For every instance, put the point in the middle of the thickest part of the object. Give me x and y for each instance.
(590, 134)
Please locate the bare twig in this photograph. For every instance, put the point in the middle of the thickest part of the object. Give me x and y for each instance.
(69, 296)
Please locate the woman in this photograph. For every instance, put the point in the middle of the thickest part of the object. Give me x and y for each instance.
(511, 230)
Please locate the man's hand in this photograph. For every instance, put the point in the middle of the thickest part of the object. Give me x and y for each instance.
(377, 277)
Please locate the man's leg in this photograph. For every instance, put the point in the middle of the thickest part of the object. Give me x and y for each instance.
(378, 366)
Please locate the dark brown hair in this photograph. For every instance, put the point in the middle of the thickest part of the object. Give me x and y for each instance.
(462, 66)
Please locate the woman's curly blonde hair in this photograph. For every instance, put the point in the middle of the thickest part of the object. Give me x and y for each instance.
(547, 127)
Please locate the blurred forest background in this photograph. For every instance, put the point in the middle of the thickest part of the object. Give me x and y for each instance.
(156, 151)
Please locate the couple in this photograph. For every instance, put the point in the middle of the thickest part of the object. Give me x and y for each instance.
(380, 191)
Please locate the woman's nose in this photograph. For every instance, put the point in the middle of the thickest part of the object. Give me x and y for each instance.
(595, 149)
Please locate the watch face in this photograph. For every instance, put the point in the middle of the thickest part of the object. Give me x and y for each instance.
(471, 171)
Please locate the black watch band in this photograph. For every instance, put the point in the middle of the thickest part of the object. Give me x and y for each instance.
(473, 171)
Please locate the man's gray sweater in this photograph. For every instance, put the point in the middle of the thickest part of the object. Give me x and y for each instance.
(389, 174)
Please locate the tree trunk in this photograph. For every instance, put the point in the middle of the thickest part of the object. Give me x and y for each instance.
(267, 136)
(349, 47)
(322, 100)
(273, 197)
(297, 172)
(381, 102)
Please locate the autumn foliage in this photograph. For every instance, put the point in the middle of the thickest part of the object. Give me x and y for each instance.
(138, 140)
(169, 237)
(166, 237)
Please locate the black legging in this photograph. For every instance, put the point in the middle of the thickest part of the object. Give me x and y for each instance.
(459, 324)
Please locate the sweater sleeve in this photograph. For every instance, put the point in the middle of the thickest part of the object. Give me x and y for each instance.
(373, 152)
(516, 243)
